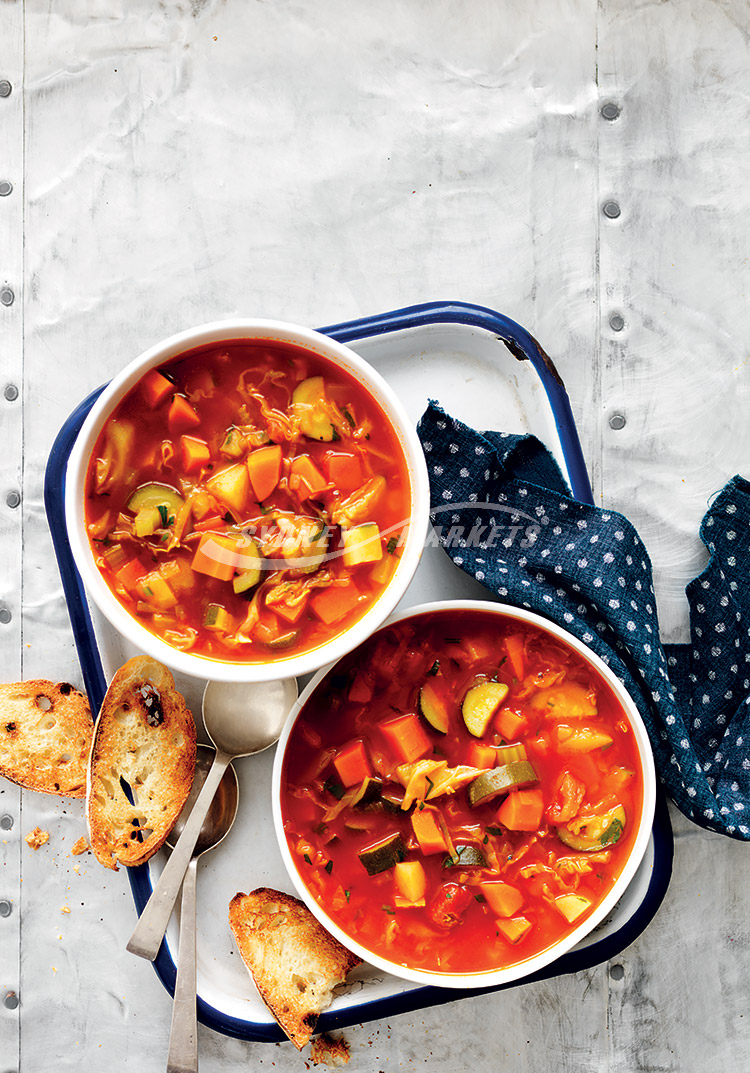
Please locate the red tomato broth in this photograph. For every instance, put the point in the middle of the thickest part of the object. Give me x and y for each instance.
(394, 664)
(246, 386)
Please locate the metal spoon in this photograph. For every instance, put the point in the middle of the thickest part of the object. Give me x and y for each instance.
(183, 1036)
(240, 720)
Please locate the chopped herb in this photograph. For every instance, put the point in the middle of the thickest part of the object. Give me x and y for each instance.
(321, 829)
(308, 859)
(612, 834)
(430, 783)
(334, 787)
(335, 437)
(388, 909)
(349, 418)
(420, 806)
(347, 894)
(479, 898)
(317, 536)
(329, 867)
(391, 545)
(434, 668)
(438, 751)
(367, 435)
(163, 513)
(495, 830)
(502, 661)
(485, 840)
(147, 589)
(228, 518)
(170, 519)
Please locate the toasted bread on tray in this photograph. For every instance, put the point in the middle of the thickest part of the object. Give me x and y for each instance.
(45, 736)
(293, 960)
(144, 743)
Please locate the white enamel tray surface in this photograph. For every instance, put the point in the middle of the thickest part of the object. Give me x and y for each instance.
(476, 378)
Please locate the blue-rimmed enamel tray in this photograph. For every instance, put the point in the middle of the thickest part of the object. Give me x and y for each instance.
(488, 371)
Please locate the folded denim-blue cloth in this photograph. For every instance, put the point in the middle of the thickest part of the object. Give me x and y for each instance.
(504, 514)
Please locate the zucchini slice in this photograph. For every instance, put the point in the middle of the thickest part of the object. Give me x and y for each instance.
(314, 420)
(156, 495)
(248, 567)
(368, 793)
(433, 708)
(383, 855)
(480, 704)
(466, 857)
(594, 832)
(491, 784)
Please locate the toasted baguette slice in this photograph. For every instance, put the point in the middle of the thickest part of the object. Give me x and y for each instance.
(144, 737)
(293, 960)
(45, 736)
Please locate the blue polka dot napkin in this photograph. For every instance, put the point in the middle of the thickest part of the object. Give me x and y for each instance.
(504, 514)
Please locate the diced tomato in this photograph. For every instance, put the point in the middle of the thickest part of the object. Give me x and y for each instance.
(181, 416)
(352, 763)
(344, 471)
(156, 388)
(195, 453)
(568, 794)
(448, 904)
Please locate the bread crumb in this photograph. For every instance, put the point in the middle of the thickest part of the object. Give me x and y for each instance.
(64, 908)
(76, 868)
(79, 846)
(325, 1050)
(37, 838)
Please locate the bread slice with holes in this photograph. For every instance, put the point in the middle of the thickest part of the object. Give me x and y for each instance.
(142, 764)
(45, 736)
(293, 960)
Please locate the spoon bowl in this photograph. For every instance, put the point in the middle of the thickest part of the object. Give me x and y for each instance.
(222, 810)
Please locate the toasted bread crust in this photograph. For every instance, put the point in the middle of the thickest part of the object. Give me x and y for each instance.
(293, 960)
(45, 736)
(145, 736)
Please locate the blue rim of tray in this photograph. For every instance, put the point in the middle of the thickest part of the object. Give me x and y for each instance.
(524, 347)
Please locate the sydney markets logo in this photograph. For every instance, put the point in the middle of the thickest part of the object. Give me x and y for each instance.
(304, 543)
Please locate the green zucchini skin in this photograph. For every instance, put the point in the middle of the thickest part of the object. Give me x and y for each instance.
(491, 784)
(466, 857)
(383, 855)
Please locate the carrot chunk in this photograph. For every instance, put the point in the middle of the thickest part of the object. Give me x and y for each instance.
(195, 453)
(406, 737)
(502, 898)
(482, 756)
(514, 647)
(352, 763)
(305, 478)
(522, 810)
(156, 388)
(264, 467)
(181, 416)
(427, 831)
(510, 723)
(216, 556)
(333, 603)
(344, 471)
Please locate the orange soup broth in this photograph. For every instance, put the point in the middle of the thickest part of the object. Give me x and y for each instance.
(453, 651)
(247, 384)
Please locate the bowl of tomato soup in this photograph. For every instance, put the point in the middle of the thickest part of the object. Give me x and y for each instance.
(465, 796)
(247, 500)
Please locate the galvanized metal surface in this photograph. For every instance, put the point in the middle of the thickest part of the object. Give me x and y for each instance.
(317, 161)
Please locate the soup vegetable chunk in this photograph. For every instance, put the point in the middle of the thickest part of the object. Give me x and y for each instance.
(247, 501)
(461, 792)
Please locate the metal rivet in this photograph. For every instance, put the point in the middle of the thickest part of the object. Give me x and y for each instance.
(610, 110)
(611, 210)
(11, 1000)
(5, 908)
(5, 88)
(5, 616)
(617, 421)
(617, 322)
(13, 499)
(11, 392)
(6, 187)
(7, 297)
(6, 822)
(617, 972)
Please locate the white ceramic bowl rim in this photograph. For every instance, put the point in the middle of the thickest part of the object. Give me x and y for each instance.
(215, 333)
(530, 965)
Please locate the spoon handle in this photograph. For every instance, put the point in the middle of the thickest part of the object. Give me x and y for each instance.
(149, 931)
(183, 1035)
